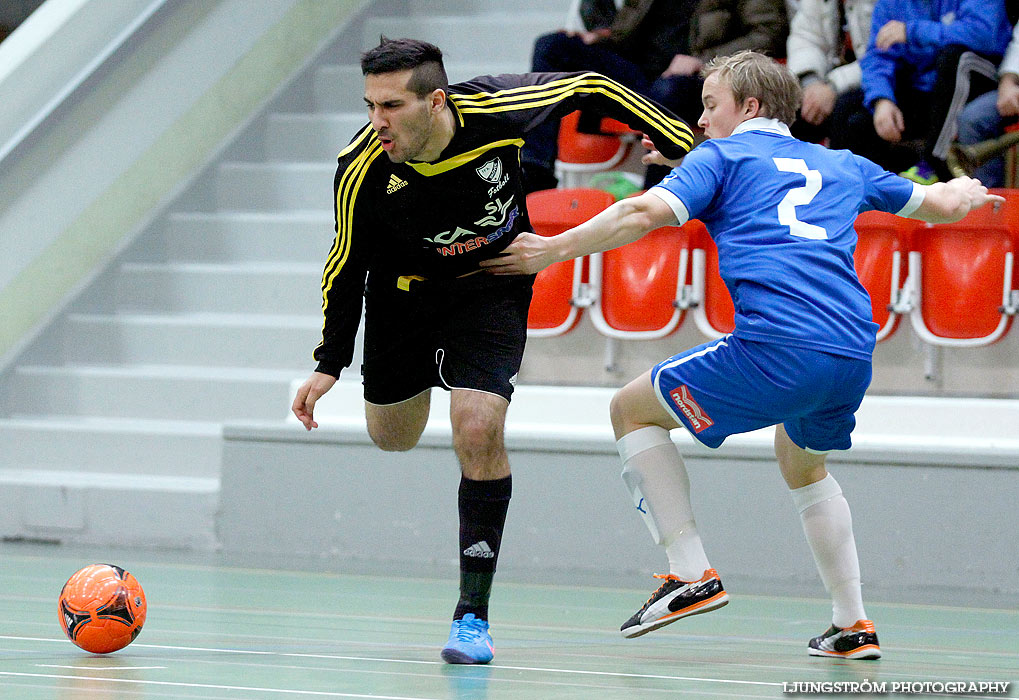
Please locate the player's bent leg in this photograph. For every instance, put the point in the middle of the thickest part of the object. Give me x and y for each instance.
(654, 474)
(397, 427)
(828, 526)
(483, 499)
(636, 406)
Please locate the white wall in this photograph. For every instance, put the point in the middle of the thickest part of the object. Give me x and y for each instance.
(931, 483)
(139, 126)
(43, 57)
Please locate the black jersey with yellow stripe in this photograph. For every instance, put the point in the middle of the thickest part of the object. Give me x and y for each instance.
(399, 222)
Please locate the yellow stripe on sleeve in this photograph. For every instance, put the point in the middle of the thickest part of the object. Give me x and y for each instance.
(532, 96)
(347, 189)
(523, 89)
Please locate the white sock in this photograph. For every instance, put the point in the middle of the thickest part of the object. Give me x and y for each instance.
(656, 477)
(828, 525)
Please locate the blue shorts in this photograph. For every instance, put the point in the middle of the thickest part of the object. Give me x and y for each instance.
(731, 386)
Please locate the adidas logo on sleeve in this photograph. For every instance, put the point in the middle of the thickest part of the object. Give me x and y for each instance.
(480, 550)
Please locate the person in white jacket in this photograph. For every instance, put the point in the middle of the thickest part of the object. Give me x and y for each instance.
(821, 59)
(986, 116)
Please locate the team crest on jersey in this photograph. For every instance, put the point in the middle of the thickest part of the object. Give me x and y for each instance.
(690, 408)
(491, 171)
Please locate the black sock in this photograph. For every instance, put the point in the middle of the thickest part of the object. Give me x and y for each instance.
(483, 506)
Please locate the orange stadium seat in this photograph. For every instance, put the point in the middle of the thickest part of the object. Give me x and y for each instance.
(556, 304)
(881, 255)
(963, 278)
(640, 288)
(713, 310)
(581, 155)
(608, 125)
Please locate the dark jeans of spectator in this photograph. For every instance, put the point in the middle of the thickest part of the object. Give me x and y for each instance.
(852, 123)
(853, 129)
(814, 133)
(980, 121)
(559, 52)
(820, 133)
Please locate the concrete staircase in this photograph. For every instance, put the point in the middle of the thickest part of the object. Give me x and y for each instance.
(111, 422)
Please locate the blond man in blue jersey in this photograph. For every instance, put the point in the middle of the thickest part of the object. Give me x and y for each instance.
(781, 212)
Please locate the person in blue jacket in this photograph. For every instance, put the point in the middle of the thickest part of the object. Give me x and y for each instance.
(781, 212)
(909, 77)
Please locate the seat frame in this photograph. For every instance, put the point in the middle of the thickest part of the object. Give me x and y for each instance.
(913, 292)
(680, 302)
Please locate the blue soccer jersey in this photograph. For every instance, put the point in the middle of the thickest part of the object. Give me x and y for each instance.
(781, 212)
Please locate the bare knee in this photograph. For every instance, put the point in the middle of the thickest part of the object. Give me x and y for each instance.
(480, 448)
(477, 439)
(636, 406)
(618, 414)
(398, 427)
(393, 442)
(478, 428)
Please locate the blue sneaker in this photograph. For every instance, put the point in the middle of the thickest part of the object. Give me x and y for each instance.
(469, 642)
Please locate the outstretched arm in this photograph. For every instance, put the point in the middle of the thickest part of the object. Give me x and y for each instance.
(529, 99)
(622, 223)
(947, 202)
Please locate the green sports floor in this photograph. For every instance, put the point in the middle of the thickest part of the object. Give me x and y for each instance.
(226, 632)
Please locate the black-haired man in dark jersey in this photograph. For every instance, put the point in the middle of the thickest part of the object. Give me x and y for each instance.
(427, 190)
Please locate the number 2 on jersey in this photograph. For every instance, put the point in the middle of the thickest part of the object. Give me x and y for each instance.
(797, 197)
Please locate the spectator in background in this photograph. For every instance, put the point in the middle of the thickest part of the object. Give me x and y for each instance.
(655, 47)
(986, 116)
(826, 40)
(717, 28)
(908, 80)
(632, 45)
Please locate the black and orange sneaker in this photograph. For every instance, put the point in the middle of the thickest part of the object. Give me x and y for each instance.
(674, 600)
(856, 642)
